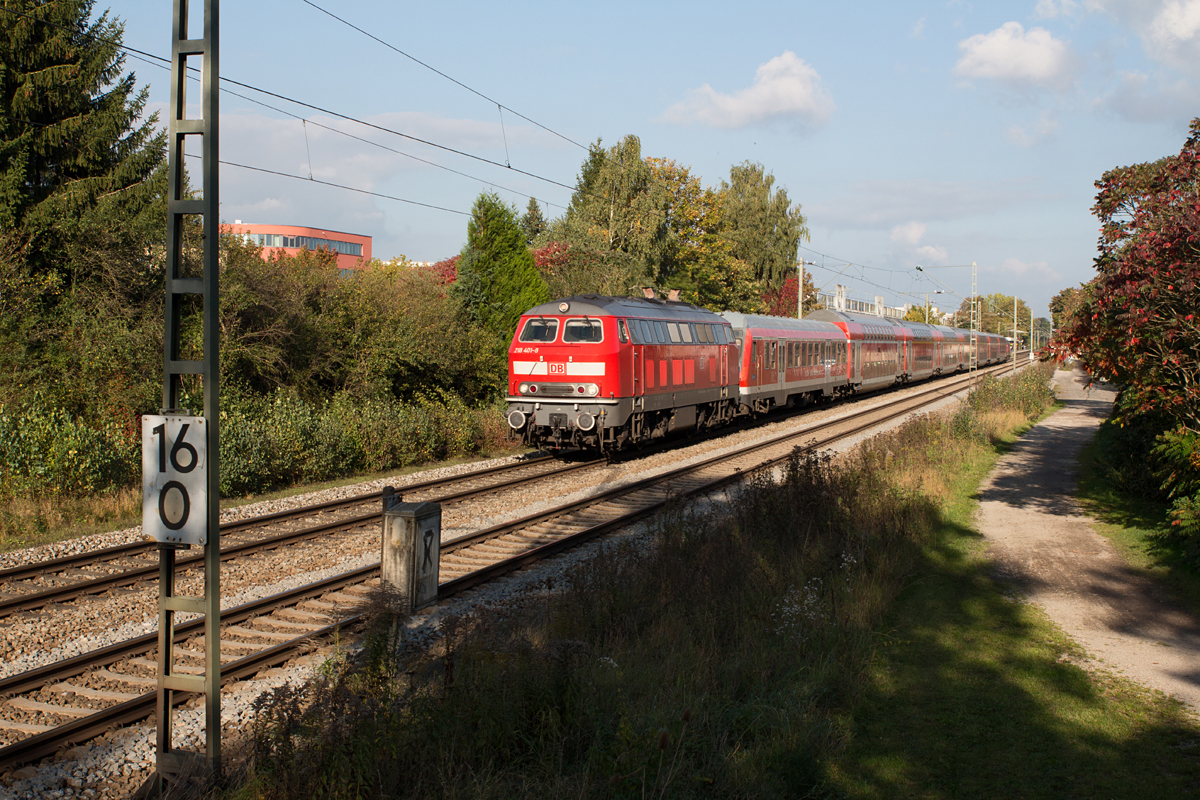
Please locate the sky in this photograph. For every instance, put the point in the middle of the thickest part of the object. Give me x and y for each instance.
(937, 134)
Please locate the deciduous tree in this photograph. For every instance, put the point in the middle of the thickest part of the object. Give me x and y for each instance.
(1136, 321)
(765, 227)
(617, 205)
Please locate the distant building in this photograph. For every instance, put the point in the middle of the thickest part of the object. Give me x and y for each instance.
(353, 250)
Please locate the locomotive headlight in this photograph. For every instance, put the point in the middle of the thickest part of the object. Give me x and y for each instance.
(592, 389)
(523, 388)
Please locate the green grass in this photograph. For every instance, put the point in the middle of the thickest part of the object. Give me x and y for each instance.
(1137, 528)
(837, 634)
(975, 694)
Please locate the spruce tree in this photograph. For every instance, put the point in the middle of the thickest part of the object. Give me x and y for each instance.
(497, 277)
(75, 165)
(534, 222)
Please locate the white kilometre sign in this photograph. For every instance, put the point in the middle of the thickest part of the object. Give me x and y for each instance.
(175, 479)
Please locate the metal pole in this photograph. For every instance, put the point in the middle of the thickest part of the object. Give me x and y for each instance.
(974, 355)
(1014, 346)
(800, 291)
(173, 766)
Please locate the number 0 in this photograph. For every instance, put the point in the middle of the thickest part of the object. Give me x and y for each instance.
(162, 499)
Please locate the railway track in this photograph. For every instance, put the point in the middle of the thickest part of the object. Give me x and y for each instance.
(34, 586)
(65, 703)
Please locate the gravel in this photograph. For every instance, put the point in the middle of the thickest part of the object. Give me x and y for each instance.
(116, 764)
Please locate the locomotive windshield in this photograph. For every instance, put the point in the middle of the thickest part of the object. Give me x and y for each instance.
(583, 330)
(539, 330)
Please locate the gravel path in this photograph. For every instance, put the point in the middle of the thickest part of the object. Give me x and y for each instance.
(1044, 544)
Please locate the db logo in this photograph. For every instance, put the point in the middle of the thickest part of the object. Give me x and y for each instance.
(557, 369)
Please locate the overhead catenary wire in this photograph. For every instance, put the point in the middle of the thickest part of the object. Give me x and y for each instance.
(378, 145)
(309, 179)
(320, 109)
(444, 75)
(161, 61)
(337, 186)
(303, 104)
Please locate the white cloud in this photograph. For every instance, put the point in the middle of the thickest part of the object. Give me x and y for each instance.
(1017, 59)
(1042, 130)
(910, 233)
(785, 88)
(919, 29)
(928, 253)
(891, 205)
(909, 236)
(1169, 29)
(1036, 271)
(1052, 9)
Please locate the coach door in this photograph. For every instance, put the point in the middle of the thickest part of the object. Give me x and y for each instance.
(636, 353)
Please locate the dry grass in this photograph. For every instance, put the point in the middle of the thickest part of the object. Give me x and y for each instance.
(26, 522)
(726, 660)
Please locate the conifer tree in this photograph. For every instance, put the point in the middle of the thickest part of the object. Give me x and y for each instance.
(533, 224)
(75, 165)
(497, 277)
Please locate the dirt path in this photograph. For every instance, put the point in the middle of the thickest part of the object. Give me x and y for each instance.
(1041, 541)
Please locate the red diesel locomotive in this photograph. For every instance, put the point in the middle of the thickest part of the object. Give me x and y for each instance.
(602, 372)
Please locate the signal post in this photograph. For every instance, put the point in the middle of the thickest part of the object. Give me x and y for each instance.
(180, 477)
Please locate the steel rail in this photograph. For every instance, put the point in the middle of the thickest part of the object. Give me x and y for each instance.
(138, 708)
(483, 575)
(36, 600)
(134, 548)
(50, 742)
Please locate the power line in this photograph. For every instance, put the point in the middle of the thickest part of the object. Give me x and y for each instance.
(366, 141)
(285, 98)
(444, 75)
(338, 186)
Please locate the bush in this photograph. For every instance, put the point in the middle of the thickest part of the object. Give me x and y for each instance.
(44, 451)
(274, 441)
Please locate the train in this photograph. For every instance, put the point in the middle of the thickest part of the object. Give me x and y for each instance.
(592, 372)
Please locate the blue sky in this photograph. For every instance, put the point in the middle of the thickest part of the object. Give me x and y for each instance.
(938, 133)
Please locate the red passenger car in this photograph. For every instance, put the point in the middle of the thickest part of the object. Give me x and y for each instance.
(785, 361)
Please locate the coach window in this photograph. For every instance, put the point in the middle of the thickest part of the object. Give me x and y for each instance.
(621, 334)
(635, 332)
(685, 330)
(539, 330)
(647, 331)
(583, 330)
(673, 329)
